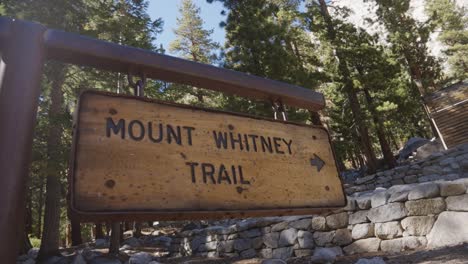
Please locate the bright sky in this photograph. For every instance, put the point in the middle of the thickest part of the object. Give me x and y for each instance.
(168, 10)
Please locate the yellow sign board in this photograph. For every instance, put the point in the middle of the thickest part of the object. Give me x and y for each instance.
(148, 159)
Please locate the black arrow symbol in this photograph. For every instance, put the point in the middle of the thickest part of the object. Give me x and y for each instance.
(316, 161)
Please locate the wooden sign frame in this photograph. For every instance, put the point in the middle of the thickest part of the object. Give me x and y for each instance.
(181, 214)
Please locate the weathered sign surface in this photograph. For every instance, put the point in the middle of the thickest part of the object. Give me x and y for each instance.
(142, 157)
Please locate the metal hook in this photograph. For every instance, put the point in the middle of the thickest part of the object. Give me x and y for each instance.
(139, 86)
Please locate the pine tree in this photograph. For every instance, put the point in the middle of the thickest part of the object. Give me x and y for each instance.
(452, 21)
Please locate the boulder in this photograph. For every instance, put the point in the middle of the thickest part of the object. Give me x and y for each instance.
(358, 217)
(423, 191)
(379, 198)
(418, 225)
(282, 253)
(78, 259)
(452, 188)
(255, 232)
(386, 213)
(364, 201)
(279, 226)
(287, 237)
(101, 243)
(257, 242)
(140, 258)
(301, 224)
(342, 237)
(425, 206)
(271, 239)
(319, 223)
(226, 246)
(326, 255)
(401, 196)
(305, 239)
(323, 238)
(303, 252)
(249, 253)
(388, 230)
(32, 253)
(363, 246)
(450, 229)
(273, 261)
(336, 221)
(374, 260)
(402, 244)
(105, 260)
(242, 244)
(457, 203)
(362, 231)
(133, 242)
(266, 253)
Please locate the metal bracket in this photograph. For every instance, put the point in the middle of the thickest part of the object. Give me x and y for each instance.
(138, 86)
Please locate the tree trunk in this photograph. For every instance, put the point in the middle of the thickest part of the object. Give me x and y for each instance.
(25, 244)
(364, 138)
(98, 232)
(29, 220)
(75, 232)
(379, 126)
(51, 232)
(40, 202)
(115, 239)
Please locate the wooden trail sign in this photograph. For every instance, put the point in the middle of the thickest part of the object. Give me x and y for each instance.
(140, 158)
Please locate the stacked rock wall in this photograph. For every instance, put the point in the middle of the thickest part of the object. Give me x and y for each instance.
(448, 165)
(403, 217)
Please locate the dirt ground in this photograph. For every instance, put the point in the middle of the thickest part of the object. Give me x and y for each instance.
(452, 255)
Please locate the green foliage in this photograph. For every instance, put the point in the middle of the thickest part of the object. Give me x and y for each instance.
(452, 21)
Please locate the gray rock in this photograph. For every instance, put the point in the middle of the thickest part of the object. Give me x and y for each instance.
(32, 261)
(388, 230)
(140, 258)
(363, 202)
(133, 242)
(273, 261)
(422, 191)
(266, 253)
(196, 242)
(410, 179)
(379, 198)
(279, 226)
(386, 213)
(282, 253)
(450, 229)
(374, 260)
(250, 233)
(226, 246)
(249, 253)
(366, 179)
(101, 243)
(418, 225)
(209, 246)
(342, 237)
(323, 238)
(78, 259)
(358, 217)
(287, 237)
(32, 253)
(242, 244)
(336, 221)
(401, 196)
(301, 224)
(319, 223)
(362, 231)
(305, 239)
(362, 246)
(429, 178)
(326, 255)
(457, 203)
(271, 239)
(425, 206)
(105, 260)
(402, 244)
(350, 205)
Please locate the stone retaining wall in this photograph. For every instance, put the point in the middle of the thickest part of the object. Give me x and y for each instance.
(448, 165)
(403, 217)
